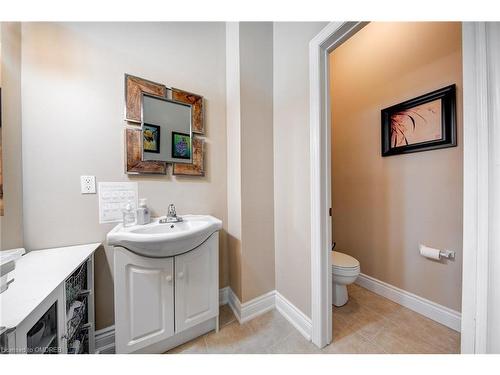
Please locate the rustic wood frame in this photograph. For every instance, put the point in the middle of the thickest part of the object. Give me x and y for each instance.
(197, 167)
(134, 87)
(196, 101)
(133, 156)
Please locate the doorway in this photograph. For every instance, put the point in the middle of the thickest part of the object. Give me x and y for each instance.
(325, 42)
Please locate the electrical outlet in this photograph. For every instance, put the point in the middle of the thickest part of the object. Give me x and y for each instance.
(87, 184)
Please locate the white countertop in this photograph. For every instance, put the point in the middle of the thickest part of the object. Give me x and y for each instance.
(38, 274)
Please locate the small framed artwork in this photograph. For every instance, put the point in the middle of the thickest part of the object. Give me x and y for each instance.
(181, 145)
(427, 122)
(197, 167)
(151, 137)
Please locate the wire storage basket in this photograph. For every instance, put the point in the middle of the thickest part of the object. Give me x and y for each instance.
(77, 318)
(80, 343)
(75, 285)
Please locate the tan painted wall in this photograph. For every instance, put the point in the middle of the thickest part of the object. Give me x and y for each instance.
(257, 207)
(73, 125)
(11, 222)
(291, 160)
(250, 158)
(384, 207)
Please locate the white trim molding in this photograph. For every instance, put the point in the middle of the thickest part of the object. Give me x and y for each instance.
(334, 34)
(431, 310)
(244, 312)
(224, 296)
(476, 188)
(247, 311)
(269, 301)
(297, 318)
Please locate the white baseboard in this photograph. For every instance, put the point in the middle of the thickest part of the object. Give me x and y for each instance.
(105, 340)
(224, 296)
(296, 317)
(431, 310)
(251, 309)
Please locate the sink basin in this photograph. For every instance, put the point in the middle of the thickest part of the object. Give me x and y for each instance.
(156, 240)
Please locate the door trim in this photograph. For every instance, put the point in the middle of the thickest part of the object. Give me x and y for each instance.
(334, 34)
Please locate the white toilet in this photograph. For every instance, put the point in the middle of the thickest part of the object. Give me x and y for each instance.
(345, 270)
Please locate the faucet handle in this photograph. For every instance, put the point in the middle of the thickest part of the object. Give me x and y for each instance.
(171, 210)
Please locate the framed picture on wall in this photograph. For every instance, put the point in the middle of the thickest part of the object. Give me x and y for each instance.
(151, 138)
(181, 145)
(427, 122)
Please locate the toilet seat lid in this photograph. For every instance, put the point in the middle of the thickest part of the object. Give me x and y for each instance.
(342, 260)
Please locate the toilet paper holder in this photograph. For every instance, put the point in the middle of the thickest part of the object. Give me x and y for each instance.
(446, 254)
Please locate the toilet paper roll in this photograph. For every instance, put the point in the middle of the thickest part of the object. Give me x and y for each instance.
(429, 252)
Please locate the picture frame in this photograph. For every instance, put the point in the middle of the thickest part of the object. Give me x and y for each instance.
(181, 145)
(427, 122)
(197, 167)
(196, 101)
(133, 155)
(151, 138)
(134, 87)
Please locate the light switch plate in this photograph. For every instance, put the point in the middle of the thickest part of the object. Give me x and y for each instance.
(87, 184)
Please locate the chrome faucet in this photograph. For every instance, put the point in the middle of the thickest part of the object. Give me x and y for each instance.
(171, 215)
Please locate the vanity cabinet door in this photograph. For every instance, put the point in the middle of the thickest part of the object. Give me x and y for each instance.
(196, 285)
(144, 300)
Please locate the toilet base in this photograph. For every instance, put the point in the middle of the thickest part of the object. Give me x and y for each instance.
(339, 295)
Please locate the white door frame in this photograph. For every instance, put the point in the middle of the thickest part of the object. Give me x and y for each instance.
(477, 109)
(321, 304)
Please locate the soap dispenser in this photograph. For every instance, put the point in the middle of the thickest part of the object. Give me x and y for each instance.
(128, 215)
(143, 214)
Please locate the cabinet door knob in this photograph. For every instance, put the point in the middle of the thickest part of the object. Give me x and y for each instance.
(168, 278)
(180, 275)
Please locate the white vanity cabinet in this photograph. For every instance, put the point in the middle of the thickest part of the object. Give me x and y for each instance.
(163, 302)
(196, 286)
(144, 300)
(49, 307)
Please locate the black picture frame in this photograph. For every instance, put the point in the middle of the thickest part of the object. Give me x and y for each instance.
(448, 122)
(175, 154)
(157, 131)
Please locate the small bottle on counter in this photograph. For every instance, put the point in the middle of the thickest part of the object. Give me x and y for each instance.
(128, 215)
(143, 214)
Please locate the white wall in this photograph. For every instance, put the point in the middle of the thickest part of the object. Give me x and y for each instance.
(493, 339)
(291, 160)
(11, 222)
(73, 95)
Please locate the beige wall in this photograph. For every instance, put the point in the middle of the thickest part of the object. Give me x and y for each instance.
(257, 208)
(73, 125)
(11, 222)
(385, 207)
(250, 158)
(233, 124)
(291, 160)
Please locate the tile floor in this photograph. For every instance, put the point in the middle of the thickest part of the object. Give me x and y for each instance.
(367, 324)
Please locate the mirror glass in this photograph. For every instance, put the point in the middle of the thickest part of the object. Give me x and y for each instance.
(166, 130)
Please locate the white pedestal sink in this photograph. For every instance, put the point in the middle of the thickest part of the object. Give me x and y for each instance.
(166, 283)
(158, 240)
